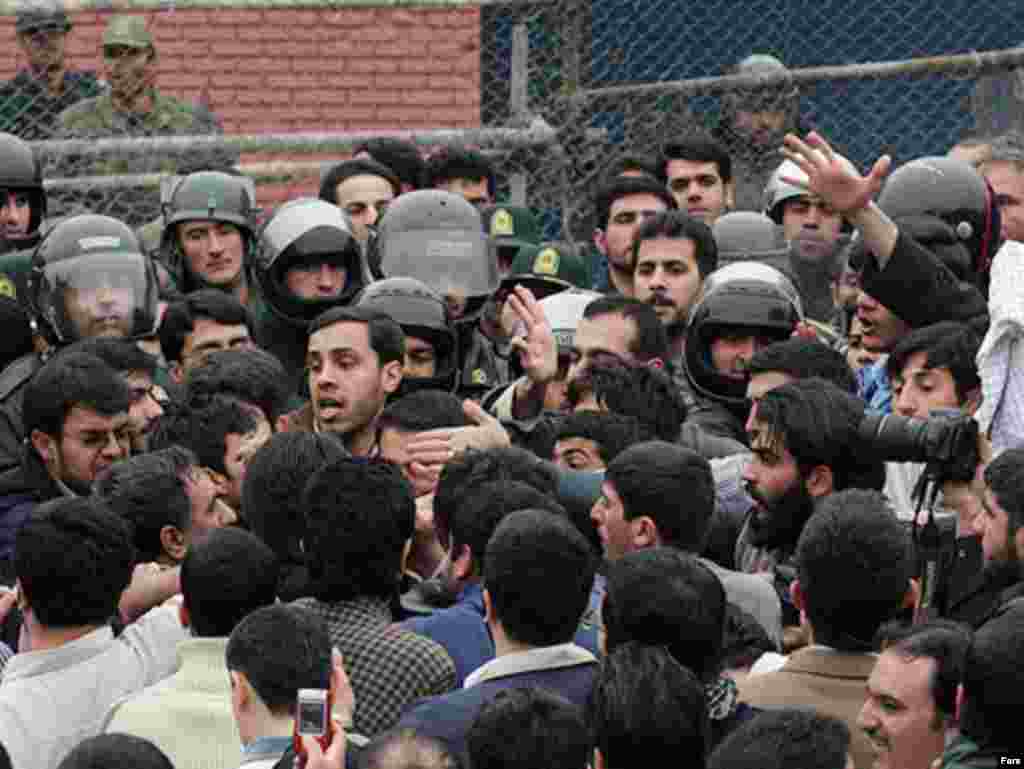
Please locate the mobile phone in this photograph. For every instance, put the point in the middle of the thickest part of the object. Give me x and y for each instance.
(313, 718)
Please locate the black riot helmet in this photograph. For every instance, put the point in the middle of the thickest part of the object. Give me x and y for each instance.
(21, 173)
(421, 312)
(953, 191)
(89, 278)
(437, 237)
(742, 296)
(207, 196)
(306, 232)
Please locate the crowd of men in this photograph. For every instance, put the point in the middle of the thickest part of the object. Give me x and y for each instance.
(741, 480)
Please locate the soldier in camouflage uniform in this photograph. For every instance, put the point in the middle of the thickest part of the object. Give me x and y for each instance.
(31, 103)
(135, 107)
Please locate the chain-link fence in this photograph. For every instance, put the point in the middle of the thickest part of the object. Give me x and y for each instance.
(554, 91)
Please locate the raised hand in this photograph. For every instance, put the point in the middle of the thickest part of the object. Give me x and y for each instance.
(831, 176)
(538, 351)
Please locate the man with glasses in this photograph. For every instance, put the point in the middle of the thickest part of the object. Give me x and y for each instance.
(31, 103)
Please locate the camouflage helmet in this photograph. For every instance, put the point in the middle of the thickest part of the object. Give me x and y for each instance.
(35, 15)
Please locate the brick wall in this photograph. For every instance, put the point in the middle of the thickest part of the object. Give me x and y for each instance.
(283, 70)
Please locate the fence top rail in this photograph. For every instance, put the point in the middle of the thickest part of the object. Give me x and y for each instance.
(970, 64)
(537, 134)
(10, 7)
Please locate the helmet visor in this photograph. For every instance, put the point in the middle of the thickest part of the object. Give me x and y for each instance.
(455, 263)
(103, 294)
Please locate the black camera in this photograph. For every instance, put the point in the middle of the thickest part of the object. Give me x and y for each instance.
(947, 441)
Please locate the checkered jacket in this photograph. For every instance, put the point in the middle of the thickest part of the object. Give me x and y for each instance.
(390, 668)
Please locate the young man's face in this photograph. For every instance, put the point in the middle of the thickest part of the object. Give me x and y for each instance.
(238, 450)
(731, 352)
(347, 383)
(214, 251)
(129, 70)
(146, 407)
(364, 198)
(1007, 180)
(667, 277)
(604, 338)
(44, 47)
(420, 358)
(999, 545)
(625, 216)
(899, 717)
(762, 127)
(857, 355)
(15, 215)
(319, 280)
(919, 389)
(880, 328)
(89, 443)
(578, 454)
(207, 337)
(104, 308)
(208, 513)
(608, 515)
(698, 189)
(812, 224)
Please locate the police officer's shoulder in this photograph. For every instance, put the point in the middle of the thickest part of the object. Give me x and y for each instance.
(17, 373)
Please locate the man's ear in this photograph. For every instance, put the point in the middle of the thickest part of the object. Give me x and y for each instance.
(242, 693)
(645, 532)
(174, 542)
(913, 595)
(819, 481)
(730, 195)
(177, 372)
(220, 481)
(601, 241)
(972, 402)
(45, 446)
(391, 376)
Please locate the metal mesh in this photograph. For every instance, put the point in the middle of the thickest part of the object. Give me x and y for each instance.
(568, 87)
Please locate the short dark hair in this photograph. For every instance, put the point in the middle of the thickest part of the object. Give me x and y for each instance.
(783, 739)
(121, 354)
(116, 751)
(386, 337)
(949, 345)
(640, 391)
(663, 597)
(679, 225)
(204, 430)
(456, 162)
(612, 433)
(1004, 477)
(528, 728)
(423, 410)
(671, 484)
(854, 566)
(180, 318)
(484, 506)
(818, 424)
(651, 339)
(275, 478)
(149, 491)
(253, 376)
(621, 186)
(538, 571)
(474, 468)
(358, 517)
(358, 167)
(67, 381)
(635, 161)
(263, 647)
(225, 577)
(698, 149)
(401, 156)
(643, 697)
(401, 748)
(802, 358)
(994, 680)
(73, 557)
(945, 643)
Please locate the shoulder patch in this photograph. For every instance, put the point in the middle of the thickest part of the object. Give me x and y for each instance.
(502, 223)
(7, 287)
(546, 262)
(478, 377)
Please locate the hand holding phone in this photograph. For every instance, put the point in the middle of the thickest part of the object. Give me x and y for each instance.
(313, 718)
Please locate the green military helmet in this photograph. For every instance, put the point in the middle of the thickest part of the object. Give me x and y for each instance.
(547, 269)
(35, 15)
(21, 172)
(207, 196)
(90, 278)
(302, 232)
(510, 228)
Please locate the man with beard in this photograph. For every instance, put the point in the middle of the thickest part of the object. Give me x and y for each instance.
(31, 103)
(672, 255)
(1002, 538)
(804, 447)
(135, 107)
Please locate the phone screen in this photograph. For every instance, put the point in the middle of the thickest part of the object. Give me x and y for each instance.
(312, 717)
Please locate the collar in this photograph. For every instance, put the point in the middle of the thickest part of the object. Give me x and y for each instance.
(266, 747)
(473, 594)
(44, 661)
(533, 660)
(201, 661)
(832, 663)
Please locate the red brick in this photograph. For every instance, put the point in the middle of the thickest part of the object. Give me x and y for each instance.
(231, 80)
(381, 33)
(400, 82)
(405, 18)
(321, 96)
(372, 67)
(287, 17)
(446, 49)
(234, 48)
(183, 82)
(349, 17)
(186, 17)
(221, 97)
(373, 96)
(203, 65)
(209, 33)
(169, 65)
(399, 49)
(292, 81)
(430, 98)
(449, 82)
(242, 17)
(468, 98)
(250, 33)
(396, 114)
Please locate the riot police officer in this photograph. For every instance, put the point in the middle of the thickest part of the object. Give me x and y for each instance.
(22, 210)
